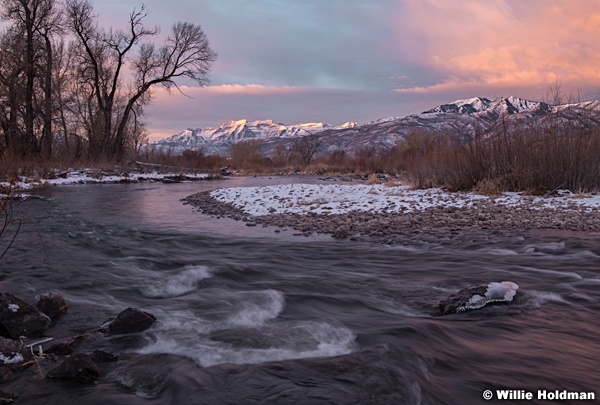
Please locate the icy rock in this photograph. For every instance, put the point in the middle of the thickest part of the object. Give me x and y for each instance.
(18, 318)
(52, 304)
(478, 296)
(13, 353)
(131, 320)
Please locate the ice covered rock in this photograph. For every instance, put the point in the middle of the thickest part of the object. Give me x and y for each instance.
(478, 296)
(18, 318)
(13, 353)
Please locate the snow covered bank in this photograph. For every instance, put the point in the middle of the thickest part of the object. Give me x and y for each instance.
(398, 214)
(93, 176)
(341, 199)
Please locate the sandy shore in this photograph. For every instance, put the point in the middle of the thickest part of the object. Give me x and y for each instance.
(486, 217)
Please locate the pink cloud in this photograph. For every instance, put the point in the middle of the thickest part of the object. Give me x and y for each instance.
(252, 89)
(501, 43)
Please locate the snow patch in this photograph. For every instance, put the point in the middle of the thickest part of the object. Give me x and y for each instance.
(14, 359)
(496, 292)
(341, 199)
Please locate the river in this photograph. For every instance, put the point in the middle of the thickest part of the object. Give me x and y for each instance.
(250, 316)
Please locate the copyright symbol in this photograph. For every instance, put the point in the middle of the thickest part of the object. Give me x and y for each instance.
(487, 395)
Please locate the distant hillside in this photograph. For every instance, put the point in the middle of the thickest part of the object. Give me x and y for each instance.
(463, 119)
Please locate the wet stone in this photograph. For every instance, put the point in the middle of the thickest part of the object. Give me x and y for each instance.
(18, 318)
(131, 320)
(78, 367)
(52, 304)
(13, 353)
(63, 346)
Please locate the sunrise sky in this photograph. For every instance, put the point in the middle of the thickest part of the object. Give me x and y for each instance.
(335, 61)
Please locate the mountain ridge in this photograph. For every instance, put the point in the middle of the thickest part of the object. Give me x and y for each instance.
(461, 118)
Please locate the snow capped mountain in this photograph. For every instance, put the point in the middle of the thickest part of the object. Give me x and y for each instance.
(186, 139)
(484, 107)
(469, 106)
(461, 119)
(217, 140)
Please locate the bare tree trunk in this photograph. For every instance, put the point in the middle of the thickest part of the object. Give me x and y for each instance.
(30, 141)
(47, 135)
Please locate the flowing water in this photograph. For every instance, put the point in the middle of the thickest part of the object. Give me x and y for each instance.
(250, 316)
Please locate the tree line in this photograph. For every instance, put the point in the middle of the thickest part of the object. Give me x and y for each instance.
(70, 88)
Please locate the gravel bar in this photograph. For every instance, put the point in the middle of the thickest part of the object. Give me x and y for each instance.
(484, 219)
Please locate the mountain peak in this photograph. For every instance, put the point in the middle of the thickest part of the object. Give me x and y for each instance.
(481, 105)
(234, 124)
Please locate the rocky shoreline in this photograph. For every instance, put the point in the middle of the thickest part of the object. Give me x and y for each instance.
(484, 220)
(24, 343)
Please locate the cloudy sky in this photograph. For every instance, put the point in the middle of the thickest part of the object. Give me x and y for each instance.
(335, 61)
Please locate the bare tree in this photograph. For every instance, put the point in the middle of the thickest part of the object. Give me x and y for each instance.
(36, 19)
(106, 54)
(247, 154)
(9, 224)
(281, 155)
(12, 84)
(306, 147)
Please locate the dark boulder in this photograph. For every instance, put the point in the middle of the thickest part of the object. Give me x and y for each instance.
(52, 304)
(78, 367)
(132, 320)
(478, 296)
(18, 318)
(61, 346)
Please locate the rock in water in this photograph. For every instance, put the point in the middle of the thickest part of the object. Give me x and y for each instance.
(52, 304)
(19, 318)
(13, 353)
(78, 367)
(61, 346)
(132, 320)
(478, 296)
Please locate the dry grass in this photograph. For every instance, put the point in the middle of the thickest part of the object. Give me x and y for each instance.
(373, 179)
(532, 160)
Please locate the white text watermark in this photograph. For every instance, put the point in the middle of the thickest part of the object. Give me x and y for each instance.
(539, 395)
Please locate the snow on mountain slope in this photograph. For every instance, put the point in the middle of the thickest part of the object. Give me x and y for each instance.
(217, 140)
(461, 119)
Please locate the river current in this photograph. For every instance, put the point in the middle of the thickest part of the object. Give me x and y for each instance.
(250, 316)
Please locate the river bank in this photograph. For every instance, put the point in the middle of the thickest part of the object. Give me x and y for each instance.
(396, 214)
